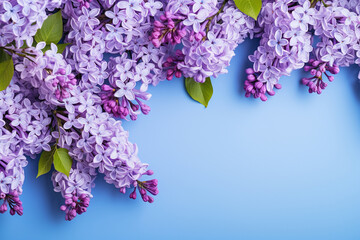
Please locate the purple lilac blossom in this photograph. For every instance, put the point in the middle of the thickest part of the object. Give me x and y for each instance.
(285, 45)
(117, 29)
(209, 32)
(337, 28)
(20, 19)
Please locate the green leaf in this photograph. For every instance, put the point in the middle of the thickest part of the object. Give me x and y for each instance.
(51, 30)
(61, 47)
(249, 7)
(45, 161)
(62, 161)
(201, 92)
(6, 69)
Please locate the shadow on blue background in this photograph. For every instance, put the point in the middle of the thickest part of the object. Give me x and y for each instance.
(240, 169)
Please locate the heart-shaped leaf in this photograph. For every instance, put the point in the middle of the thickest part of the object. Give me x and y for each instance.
(249, 7)
(52, 29)
(45, 161)
(62, 161)
(6, 69)
(201, 92)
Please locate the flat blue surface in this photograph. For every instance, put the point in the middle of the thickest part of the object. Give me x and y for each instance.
(240, 169)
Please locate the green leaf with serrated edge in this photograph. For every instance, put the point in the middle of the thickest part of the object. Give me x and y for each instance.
(45, 161)
(61, 47)
(6, 69)
(52, 29)
(201, 92)
(62, 161)
(249, 7)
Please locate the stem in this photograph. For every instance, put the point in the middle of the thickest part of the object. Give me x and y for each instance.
(22, 53)
(209, 19)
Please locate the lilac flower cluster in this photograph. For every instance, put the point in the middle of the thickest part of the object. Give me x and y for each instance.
(107, 28)
(34, 118)
(20, 19)
(285, 45)
(209, 31)
(288, 30)
(117, 49)
(339, 34)
(24, 129)
(48, 72)
(68, 100)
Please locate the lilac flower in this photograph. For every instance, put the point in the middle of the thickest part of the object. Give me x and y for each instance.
(11, 12)
(278, 43)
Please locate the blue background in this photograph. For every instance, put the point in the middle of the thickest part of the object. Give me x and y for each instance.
(240, 169)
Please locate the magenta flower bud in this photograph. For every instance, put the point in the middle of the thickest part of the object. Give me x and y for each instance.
(72, 213)
(57, 93)
(156, 42)
(134, 107)
(133, 116)
(263, 89)
(133, 194)
(249, 88)
(331, 78)
(106, 88)
(251, 77)
(142, 191)
(163, 17)
(258, 85)
(3, 208)
(150, 199)
(12, 212)
(307, 68)
(60, 78)
(145, 109)
(158, 24)
(249, 71)
(65, 94)
(112, 103)
(62, 71)
(315, 63)
(334, 70)
(63, 208)
(272, 93)
(71, 76)
(68, 198)
(171, 24)
(145, 197)
(155, 35)
(178, 74)
(305, 81)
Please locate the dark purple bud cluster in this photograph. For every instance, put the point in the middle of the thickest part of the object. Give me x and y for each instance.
(75, 205)
(146, 186)
(317, 69)
(257, 88)
(12, 201)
